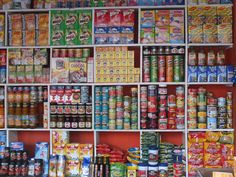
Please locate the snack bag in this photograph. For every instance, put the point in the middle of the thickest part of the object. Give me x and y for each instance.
(212, 161)
(195, 148)
(212, 148)
(147, 18)
(29, 38)
(227, 151)
(196, 159)
(197, 137)
(29, 74)
(213, 136)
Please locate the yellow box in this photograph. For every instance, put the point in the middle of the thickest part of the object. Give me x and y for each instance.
(85, 150)
(123, 70)
(224, 10)
(124, 62)
(98, 78)
(137, 71)
(98, 70)
(117, 54)
(72, 151)
(136, 78)
(124, 54)
(225, 33)
(98, 55)
(130, 62)
(195, 34)
(209, 10)
(60, 137)
(72, 168)
(110, 63)
(111, 55)
(210, 33)
(130, 70)
(59, 149)
(131, 54)
(130, 78)
(195, 11)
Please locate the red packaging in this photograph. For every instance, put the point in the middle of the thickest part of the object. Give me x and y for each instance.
(128, 17)
(115, 17)
(102, 18)
(212, 148)
(195, 148)
(162, 114)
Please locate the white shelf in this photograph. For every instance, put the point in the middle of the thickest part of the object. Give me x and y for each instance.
(162, 83)
(73, 130)
(27, 129)
(70, 46)
(27, 84)
(210, 83)
(211, 5)
(164, 44)
(211, 130)
(26, 47)
(166, 131)
(72, 84)
(210, 44)
(130, 131)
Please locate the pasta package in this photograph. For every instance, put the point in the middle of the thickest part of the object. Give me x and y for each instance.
(212, 148)
(197, 137)
(195, 148)
(212, 161)
(196, 159)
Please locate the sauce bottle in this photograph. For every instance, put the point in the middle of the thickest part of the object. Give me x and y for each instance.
(32, 116)
(18, 116)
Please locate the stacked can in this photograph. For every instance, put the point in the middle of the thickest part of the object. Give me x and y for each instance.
(144, 107)
(180, 107)
(85, 94)
(178, 65)
(127, 110)
(169, 68)
(134, 108)
(162, 97)
(202, 108)
(192, 108)
(98, 107)
(105, 108)
(171, 112)
(112, 110)
(166, 156)
(153, 69)
(211, 112)
(222, 113)
(152, 106)
(120, 109)
(146, 69)
(229, 110)
(161, 68)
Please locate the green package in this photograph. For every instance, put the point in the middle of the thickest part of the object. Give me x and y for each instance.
(57, 37)
(57, 20)
(71, 19)
(71, 37)
(85, 36)
(85, 19)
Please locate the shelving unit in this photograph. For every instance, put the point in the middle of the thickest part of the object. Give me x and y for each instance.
(12, 132)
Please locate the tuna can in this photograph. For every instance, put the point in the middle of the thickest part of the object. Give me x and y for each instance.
(127, 114)
(119, 113)
(127, 103)
(112, 91)
(112, 113)
(161, 69)
(112, 102)
(112, 124)
(169, 68)
(127, 125)
(119, 124)
(119, 91)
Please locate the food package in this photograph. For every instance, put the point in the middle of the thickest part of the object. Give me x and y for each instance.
(60, 70)
(72, 151)
(60, 137)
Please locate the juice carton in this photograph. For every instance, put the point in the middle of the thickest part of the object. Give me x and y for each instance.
(29, 74)
(71, 19)
(78, 70)
(221, 74)
(17, 146)
(147, 18)
(85, 36)
(162, 17)
(57, 20)
(128, 17)
(115, 17)
(42, 152)
(230, 73)
(192, 73)
(29, 22)
(147, 35)
(146, 2)
(41, 37)
(177, 18)
(72, 151)
(211, 74)
(202, 74)
(71, 37)
(225, 33)
(60, 70)
(20, 72)
(195, 34)
(162, 34)
(57, 37)
(85, 19)
(72, 168)
(176, 34)
(102, 18)
(210, 33)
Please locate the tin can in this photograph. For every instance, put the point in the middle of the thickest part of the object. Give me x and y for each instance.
(70, 53)
(63, 53)
(169, 68)
(146, 69)
(86, 52)
(176, 69)
(119, 124)
(56, 53)
(211, 123)
(112, 113)
(112, 124)
(154, 69)
(78, 53)
(119, 91)
(161, 68)
(112, 91)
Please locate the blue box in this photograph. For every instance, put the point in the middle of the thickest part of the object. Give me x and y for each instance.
(230, 73)
(221, 74)
(226, 1)
(146, 2)
(211, 73)
(127, 30)
(192, 73)
(2, 150)
(42, 152)
(17, 146)
(101, 30)
(114, 30)
(202, 74)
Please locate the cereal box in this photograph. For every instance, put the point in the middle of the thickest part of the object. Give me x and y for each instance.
(192, 2)
(20, 73)
(230, 73)
(147, 35)
(71, 19)
(147, 18)
(78, 70)
(57, 20)
(209, 11)
(177, 18)
(60, 70)
(225, 33)
(224, 10)
(60, 137)
(221, 74)
(127, 38)
(57, 37)
(42, 21)
(102, 18)
(115, 17)
(195, 11)
(29, 22)
(29, 38)
(195, 34)
(162, 34)
(202, 2)
(17, 146)
(41, 37)
(202, 74)
(211, 74)
(42, 151)
(72, 151)
(15, 38)
(226, 1)
(176, 34)
(71, 37)
(27, 56)
(12, 74)
(72, 168)
(210, 33)
(192, 73)
(128, 17)
(162, 17)
(15, 22)
(40, 57)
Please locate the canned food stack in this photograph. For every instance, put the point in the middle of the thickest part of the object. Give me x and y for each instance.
(2, 30)
(211, 112)
(2, 108)
(27, 107)
(3, 63)
(192, 108)
(162, 110)
(163, 64)
(113, 122)
(201, 107)
(134, 109)
(222, 113)
(71, 107)
(144, 107)
(180, 114)
(152, 107)
(229, 109)
(127, 113)
(105, 108)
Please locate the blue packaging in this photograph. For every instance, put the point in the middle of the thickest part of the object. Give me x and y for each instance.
(42, 152)
(211, 73)
(17, 146)
(221, 74)
(127, 30)
(226, 1)
(99, 39)
(230, 73)
(211, 123)
(147, 19)
(202, 74)
(101, 30)
(146, 2)
(192, 73)
(2, 150)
